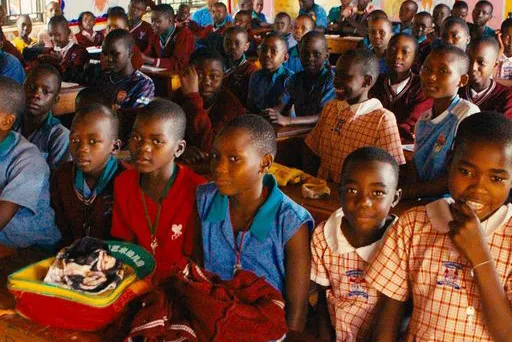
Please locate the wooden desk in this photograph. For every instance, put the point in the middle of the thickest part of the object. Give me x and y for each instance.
(66, 104)
(166, 82)
(338, 45)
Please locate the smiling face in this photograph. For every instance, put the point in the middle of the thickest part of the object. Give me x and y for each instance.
(41, 93)
(481, 14)
(313, 54)
(235, 45)
(400, 56)
(161, 22)
(350, 82)
(258, 6)
(440, 76)
(483, 59)
(272, 53)
(219, 14)
(59, 34)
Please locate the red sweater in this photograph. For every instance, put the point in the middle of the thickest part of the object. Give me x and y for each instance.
(237, 80)
(497, 98)
(10, 48)
(143, 34)
(203, 123)
(77, 57)
(85, 41)
(174, 55)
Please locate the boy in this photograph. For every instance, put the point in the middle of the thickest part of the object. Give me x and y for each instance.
(422, 27)
(171, 46)
(399, 90)
(257, 13)
(440, 14)
(140, 29)
(456, 32)
(504, 68)
(342, 246)
(154, 202)
(211, 35)
(452, 256)
(460, 10)
(266, 86)
(307, 6)
(307, 91)
(82, 190)
(444, 72)
(352, 120)
(246, 222)
(481, 14)
(283, 26)
(338, 14)
(237, 69)
(243, 19)
(303, 24)
(203, 16)
(26, 218)
(87, 37)
(482, 90)
(207, 104)
(23, 40)
(379, 33)
(408, 10)
(183, 15)
(38, 125)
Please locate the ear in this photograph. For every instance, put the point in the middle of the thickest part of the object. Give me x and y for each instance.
(180, 148)
(117, 146)
(286, 56)
(7, 121)
(266, 163)
(57, 99)
(367, 81)
(464, 79)
(246, 46)
(396, 197)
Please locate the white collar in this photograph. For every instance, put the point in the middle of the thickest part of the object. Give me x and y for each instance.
(439, 215)
(136, 26)
(65, 49)
(88, 35)
(398, 87)
(504, 58)
(338, 243)
(361, 108)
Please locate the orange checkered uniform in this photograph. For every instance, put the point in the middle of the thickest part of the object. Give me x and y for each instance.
(344, 128)
(417, 258)
(340, 267)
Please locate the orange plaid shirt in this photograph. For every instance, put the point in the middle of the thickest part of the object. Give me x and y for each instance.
(340, 267)
(344, 128)
(417, 258)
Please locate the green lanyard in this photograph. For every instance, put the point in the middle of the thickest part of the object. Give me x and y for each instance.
(154, 227)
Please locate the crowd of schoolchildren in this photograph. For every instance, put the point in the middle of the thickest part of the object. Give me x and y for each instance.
(442, 271)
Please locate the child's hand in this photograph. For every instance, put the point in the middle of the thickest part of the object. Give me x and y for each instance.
(467, 234)
(277, 118)
(189, 81)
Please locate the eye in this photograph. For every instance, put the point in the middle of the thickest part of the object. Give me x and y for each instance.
(378, 193)
(497, 179)
(351, 191)
(234, 159)
(135, 137)
(465, 172)
(75, 140)
(158, 141)
(93, 141)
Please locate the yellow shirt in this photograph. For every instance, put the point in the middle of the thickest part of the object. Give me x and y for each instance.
(20, 44)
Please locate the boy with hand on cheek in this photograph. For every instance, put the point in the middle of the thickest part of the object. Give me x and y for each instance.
(342, 246)
(82, 190)
(452, 256)
(481, 14)
(303, 24)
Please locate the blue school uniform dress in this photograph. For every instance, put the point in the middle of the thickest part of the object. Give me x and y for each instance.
(293, 63)
(11, 67)
(262, 247)
(321, 16)
(435, 137)
(204, 18)
(52, 139)
(266, 89)
(309, 96)
(24, 180)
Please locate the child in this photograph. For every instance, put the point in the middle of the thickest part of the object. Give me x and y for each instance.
(365, 43)
(82, 190)
(444, 72)
(307, 6)
(52, 10)
(456, 32)
(207, 104)
(307, 91)
(203, 16)
(245, 5)
(460, 10)
(482, 13)
(38, 125)
(26, 218)
(482, 90)
(11, 67)
(154, 203)
(408, 10)
(452, 256)
(352, 120)
(379, 33)
(247, 223)
(422, 27)
(171, 46)
(303, 24)
(87, 37)
(399, 90)
(211, 36)
(140, 29)
(338, 14)
(237, 69)
(257, 13)
(243, 19)
(266, 86)
(183, 15)
(342, 246)
(440, 14)
(283, 26)
(23, 40)
(504, 68)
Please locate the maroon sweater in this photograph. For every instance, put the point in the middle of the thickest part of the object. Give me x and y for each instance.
(237, 80)
(497, 98)
(71, 214)
(142, 33)
(85, 41)
(407, 106)
(174, 55)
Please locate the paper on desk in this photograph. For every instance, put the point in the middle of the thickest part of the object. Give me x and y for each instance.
(65, 85)
(94, 49)
(408, 147)
(151, 69)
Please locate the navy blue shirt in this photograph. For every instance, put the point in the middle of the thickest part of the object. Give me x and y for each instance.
(11, 67)
(266, 89)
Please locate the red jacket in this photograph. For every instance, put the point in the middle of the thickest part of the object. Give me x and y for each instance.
(174, 55)
(83, 40)
(143, 34)
(77, 56)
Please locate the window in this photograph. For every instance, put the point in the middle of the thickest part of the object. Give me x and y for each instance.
(34, 8)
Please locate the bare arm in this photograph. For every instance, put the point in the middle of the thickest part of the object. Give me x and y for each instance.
(387, 319)
(7, 212)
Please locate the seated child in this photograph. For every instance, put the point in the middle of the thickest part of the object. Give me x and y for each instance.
(211, 36)
(307, 91)
(352, 120)
(154, 203)
(338, 14)
(408, 10)
(204, 16)
(243, 208)
(82, 190)
(258, 16)
(444, 72)
(399, 90)
(456, 32)
(38, 125)
(439, 15)
(237, 69)
(140, 29)
(365, 43)
(303, 24)
(357, 17)
(452, 256)
(171, 46)
(482, 90)
(26, 218)
(320, 16)
(52, 9)
(245, 5)
(5, 44)
(503, 74)
(422, 27)
(23, 40)
(460, 10)
(283, 26)
(481, 14)
(207, 104)
(379, 33)
(342, 246)
(11, 67)
(87, 37)
(243, 19)
(266, 86)
(183, 15)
